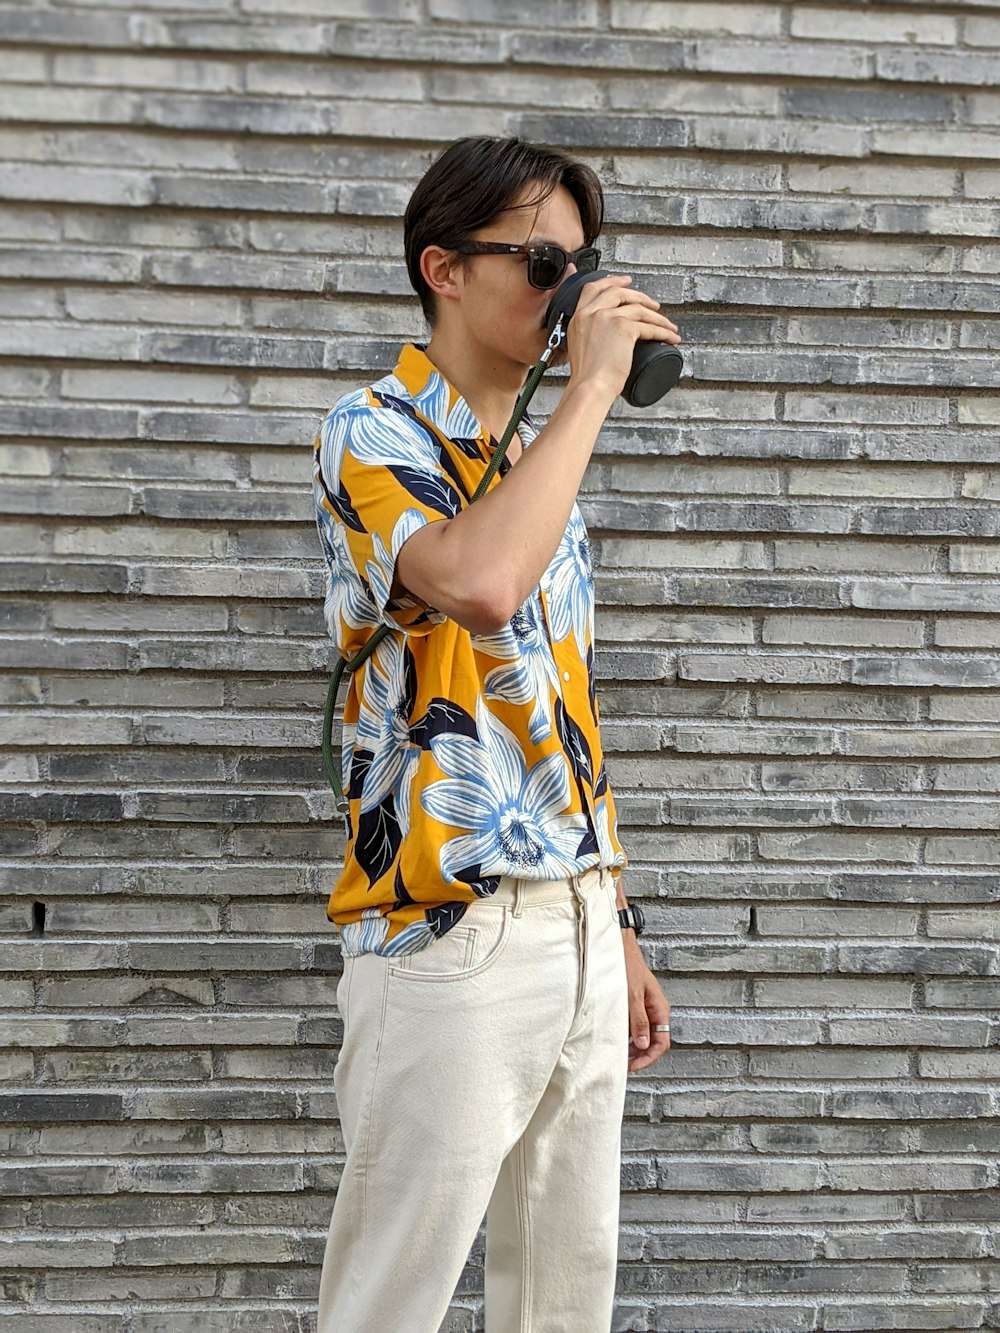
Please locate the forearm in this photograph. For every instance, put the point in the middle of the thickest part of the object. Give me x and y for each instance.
(480, 566)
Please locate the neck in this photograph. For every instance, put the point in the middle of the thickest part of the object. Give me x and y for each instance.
(487, 381)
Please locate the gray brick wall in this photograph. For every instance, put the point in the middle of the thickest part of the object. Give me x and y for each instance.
(800, 652)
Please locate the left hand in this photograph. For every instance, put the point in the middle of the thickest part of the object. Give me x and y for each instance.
(646, 1005)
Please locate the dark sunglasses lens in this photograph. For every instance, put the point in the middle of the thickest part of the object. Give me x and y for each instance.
(587, 260)
(546, 267)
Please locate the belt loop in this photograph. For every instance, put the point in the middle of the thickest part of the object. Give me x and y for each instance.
(518, 897)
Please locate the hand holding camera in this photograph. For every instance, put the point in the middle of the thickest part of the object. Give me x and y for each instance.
(618, 338)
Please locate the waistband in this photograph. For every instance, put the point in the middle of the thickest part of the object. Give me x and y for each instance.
(526, 893)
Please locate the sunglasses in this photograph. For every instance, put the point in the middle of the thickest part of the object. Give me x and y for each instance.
(546, 263)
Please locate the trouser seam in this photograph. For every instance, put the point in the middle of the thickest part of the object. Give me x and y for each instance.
(525, 1223)
(369, 1113)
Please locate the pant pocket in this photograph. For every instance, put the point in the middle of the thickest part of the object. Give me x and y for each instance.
(479, 940)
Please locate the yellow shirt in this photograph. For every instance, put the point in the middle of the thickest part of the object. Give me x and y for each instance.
(465, 756)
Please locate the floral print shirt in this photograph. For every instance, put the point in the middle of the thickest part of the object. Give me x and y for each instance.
(465, 756)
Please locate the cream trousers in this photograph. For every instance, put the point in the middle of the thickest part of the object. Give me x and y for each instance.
(485, 1074)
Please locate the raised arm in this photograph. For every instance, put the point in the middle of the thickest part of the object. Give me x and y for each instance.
(478, 567)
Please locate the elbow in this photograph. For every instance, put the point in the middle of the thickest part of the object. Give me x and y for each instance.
(488, 612)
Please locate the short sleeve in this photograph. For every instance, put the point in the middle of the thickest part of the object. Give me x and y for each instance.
(378, 481)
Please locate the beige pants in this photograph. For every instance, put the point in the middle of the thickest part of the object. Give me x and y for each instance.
(485, 1074)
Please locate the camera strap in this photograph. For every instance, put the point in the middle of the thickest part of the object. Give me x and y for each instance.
(346, 666)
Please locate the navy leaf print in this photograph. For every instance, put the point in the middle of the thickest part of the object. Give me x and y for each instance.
(361, 762)
(575, 745)
(471, 448)
(379, 839)
(441, 719)
(403, 898)
(448, 465)
(441, 919)
(601, 785)
(342, 505)
(588, 843)
(432, 491)
(481, 885)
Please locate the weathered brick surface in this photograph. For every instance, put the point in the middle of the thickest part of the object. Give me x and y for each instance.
(799, 642)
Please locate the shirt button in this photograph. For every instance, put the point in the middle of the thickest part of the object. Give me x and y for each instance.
(566, 675)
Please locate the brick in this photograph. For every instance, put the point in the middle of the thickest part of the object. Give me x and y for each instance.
(19, 382)
(921, 1244)
(960, 707)
(939, 742)
(795, 59)
(943, 1315)
(780, 136)
(931, 959)
(870, 179)
(155, 386)
(852, 104)
(246, 1320)
(860, 1277)
(771, 669)
(858, 408)
(130, 189)
(878, 481)
(871, 256)
(574, 14)
(859, 631)
(928, 446)
(850, 556)
(920, 671)
(951, 220)
(835, 1208)
(928, 143)
(248, 271)
(984, 1065)
(296, 78)
(682, 96)
(650, 53)
(963, 851)
(755, 20)
(828, 994)
(919, 66)
(837, 847)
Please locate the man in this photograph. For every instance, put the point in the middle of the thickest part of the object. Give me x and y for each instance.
(490, 986)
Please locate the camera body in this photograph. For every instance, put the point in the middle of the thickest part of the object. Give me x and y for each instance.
(656, 367)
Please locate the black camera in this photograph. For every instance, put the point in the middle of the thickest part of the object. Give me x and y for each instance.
(656, 367)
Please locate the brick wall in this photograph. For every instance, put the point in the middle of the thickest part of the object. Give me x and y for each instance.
(799, 578)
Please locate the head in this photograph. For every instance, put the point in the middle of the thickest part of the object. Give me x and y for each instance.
(504, 190)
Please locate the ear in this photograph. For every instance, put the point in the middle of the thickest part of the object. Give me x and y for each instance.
(438, 267)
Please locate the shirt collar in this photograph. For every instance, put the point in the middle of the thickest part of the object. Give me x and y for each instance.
(438, 401)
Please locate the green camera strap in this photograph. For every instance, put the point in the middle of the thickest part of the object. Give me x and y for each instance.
(345, 667)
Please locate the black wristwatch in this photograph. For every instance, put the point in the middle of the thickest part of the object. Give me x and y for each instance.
(631, 918)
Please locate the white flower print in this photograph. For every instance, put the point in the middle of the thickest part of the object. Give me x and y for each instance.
(383, 729)
(571, 580)
(529, 671)
(515, 818)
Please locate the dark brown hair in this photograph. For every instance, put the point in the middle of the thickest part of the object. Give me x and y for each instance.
(473, 181)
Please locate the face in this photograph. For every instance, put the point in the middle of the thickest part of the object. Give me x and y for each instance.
(501, 309)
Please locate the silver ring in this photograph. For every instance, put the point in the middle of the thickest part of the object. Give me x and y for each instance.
(661, 1027)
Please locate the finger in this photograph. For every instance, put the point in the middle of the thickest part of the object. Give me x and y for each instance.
(659, 1044)
(652, 328)
(638, 1021)
(641, 314)
(607, 298)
